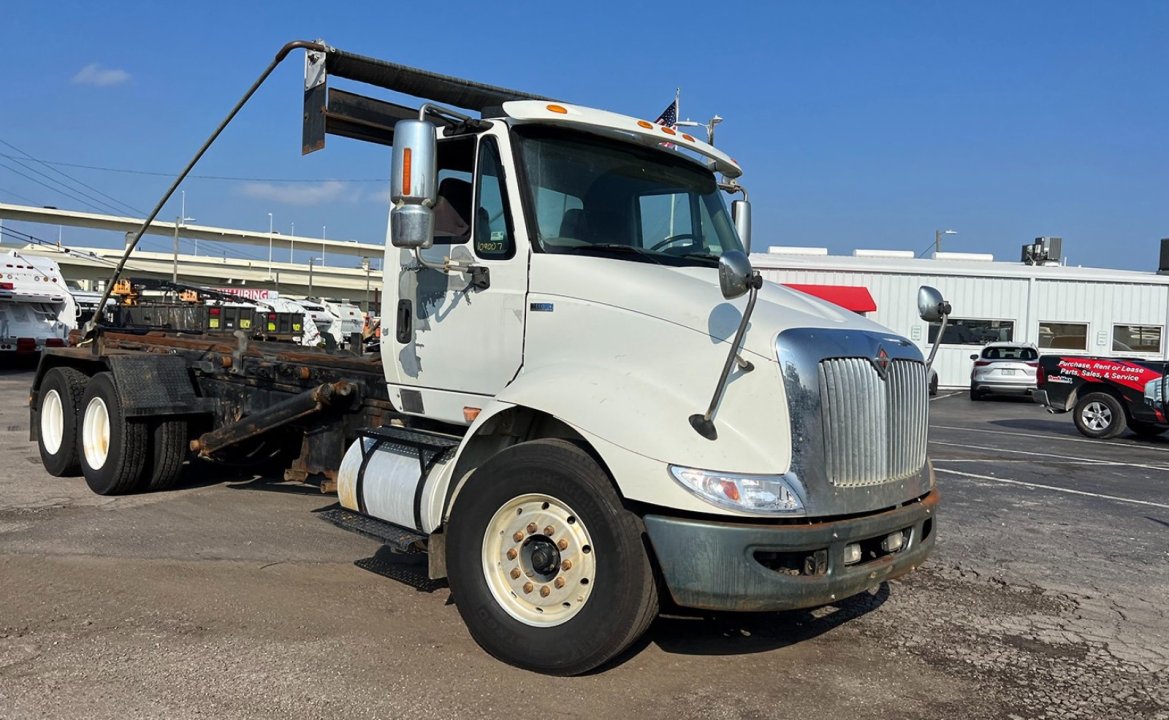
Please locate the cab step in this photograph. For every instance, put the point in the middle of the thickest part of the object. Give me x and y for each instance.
(400, 539)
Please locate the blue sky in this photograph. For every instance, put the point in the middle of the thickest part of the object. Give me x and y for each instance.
(859, 124)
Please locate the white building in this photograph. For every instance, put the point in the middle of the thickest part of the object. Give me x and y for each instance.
(1059, 309)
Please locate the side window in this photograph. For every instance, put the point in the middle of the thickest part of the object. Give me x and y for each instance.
(452, 211)
(663, 217)
(493, 232)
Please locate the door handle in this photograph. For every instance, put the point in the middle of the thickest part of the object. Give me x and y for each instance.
(405, 325)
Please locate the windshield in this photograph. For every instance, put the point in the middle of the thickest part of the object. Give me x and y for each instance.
(593, 196)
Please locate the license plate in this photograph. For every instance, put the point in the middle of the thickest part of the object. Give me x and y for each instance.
(1008, 371)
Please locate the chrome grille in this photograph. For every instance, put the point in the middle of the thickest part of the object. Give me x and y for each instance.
(874, 428)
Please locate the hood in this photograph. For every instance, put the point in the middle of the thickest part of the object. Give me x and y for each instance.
(690, 297)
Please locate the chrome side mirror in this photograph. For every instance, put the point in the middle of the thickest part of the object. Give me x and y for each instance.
(930, 305)
(413, 186)
(933, 308)
(741, 214)
(734, 274)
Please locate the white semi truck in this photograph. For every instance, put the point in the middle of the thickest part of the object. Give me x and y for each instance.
(586, 402)
(36, 309)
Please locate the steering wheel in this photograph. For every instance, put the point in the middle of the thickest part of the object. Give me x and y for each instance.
(673, 239)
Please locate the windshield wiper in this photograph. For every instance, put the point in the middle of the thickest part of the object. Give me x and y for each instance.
(619, 250)
(701, 256)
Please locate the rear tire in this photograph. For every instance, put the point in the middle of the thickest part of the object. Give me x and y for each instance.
(933, 384)
(1144, 429)
(58, 417)
(975, 393)
(168, 451)
(510, 592)
(113, 449)
(1099, 415)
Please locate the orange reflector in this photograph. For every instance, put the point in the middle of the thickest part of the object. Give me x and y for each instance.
(669, 131)
(558, 109)
(687, 137)
(644, 124)
(470, 413)
(406, 160)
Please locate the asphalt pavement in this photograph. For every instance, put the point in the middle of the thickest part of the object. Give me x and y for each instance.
(228, 598)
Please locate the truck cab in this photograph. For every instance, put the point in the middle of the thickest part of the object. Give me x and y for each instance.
(562, 318)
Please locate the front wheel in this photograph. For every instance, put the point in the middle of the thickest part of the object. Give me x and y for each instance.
(1099, 415)
(548, 570)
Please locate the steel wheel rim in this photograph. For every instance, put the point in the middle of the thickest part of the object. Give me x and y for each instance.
(95, 433)
(52, 422)
(517, 563)
(1097, 416)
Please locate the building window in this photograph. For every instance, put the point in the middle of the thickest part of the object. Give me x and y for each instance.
(1136, 338)
(961, 331)
(1063, 336)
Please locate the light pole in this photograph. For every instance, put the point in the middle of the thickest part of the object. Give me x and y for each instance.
(182, 218)
(938, 238)
(269, 244)
(291, 243)
(322, 244)
(310, 274)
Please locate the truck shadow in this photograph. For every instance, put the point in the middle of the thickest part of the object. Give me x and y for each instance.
(750, 633)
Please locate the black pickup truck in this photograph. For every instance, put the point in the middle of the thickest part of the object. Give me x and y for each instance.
(1105, 395)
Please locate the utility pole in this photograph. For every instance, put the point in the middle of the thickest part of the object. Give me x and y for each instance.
(322, 244)
(291, 242)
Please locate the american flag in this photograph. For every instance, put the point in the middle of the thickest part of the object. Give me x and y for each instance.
(669, 116)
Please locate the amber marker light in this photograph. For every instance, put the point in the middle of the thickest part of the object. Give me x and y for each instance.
(558, 109)
(669, 131)
(687, 137)
(470, 413)
(644, 124)
(406, 161)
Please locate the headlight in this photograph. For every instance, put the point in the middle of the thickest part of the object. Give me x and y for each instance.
(747, 493)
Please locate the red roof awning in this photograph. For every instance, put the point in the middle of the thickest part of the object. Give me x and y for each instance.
(849, 297)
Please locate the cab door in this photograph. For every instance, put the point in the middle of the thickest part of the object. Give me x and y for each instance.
(453, 338)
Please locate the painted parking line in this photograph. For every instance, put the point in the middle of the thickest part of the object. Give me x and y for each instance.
(999, 461)
(943, 397)
(1065, 438)
(1053, 488)
(1032, 453)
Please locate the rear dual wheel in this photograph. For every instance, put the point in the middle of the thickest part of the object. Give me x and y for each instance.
(58, 413)
(548, 570)
(121, 455)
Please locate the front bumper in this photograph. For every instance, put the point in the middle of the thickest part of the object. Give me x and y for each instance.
(716, 565)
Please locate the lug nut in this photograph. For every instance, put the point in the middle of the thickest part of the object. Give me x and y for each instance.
(562, 544)
(532, 528)
(558, 582)
(549, 530)
(566, 565)
(515, 573)
(511, 554)
(518, 536)
(528, 587)
(545, 591)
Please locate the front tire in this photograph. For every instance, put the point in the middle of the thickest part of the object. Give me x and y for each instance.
(1099, 415)
(113, 449)
(548, 570)
(58, 416)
